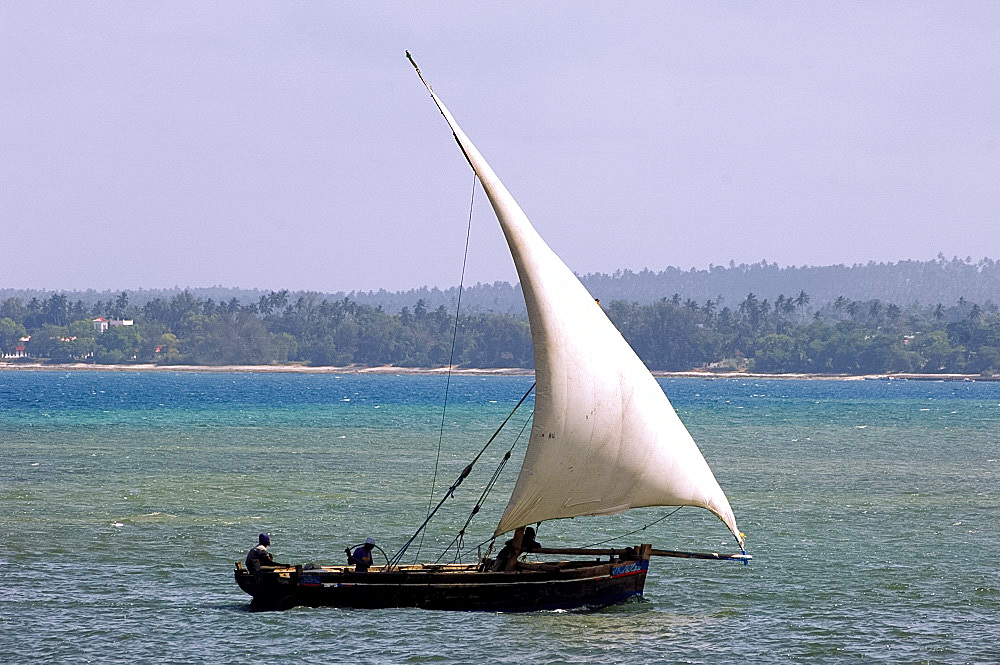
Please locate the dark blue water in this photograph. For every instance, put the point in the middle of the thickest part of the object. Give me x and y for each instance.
(871, 508)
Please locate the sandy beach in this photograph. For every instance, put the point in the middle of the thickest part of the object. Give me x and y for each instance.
(265, 369)
(462, 371)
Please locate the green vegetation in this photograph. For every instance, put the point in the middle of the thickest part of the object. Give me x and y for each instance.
(788, 335)
(928, 282)
(844, 337)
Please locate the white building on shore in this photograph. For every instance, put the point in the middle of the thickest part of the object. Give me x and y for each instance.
(101, 324)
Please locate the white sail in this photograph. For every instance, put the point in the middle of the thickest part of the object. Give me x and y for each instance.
(604, 437)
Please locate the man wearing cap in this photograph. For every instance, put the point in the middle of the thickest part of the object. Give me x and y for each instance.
(259, 556)
(362, 556)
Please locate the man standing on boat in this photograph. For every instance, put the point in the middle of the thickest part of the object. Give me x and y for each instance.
(509, 553)
(362, 556)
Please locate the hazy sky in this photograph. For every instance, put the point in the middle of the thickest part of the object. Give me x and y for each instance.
(290, 145)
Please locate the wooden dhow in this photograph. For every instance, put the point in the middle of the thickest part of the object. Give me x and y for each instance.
(604, 439)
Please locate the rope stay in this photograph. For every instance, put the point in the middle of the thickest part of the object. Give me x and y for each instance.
(451, 359)
(396, 558)
(492, 539)
(623, 535)
(642, 528)
(460, 537)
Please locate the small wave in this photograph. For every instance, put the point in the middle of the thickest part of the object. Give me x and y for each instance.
(155, 516)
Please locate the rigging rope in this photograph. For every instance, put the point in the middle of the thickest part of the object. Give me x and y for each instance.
(492, 539)
(460, 537)
(451, 360)
(465, 472)
(637, 530)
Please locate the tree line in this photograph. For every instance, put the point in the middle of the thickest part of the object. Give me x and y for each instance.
(786, 335)
(928, 282)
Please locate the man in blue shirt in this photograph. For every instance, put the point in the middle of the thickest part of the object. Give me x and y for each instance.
(362, 556)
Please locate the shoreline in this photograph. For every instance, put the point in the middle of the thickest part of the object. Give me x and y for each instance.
(463, 371)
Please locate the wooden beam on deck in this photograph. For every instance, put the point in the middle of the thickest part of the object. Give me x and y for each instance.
(713, 556)
(614, 551)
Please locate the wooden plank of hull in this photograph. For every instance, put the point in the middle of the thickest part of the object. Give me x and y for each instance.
(562, 585)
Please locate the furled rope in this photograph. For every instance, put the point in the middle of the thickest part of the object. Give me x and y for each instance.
(465, 472)
(451, 361)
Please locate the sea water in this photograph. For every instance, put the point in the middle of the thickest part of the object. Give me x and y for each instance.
(871, 509)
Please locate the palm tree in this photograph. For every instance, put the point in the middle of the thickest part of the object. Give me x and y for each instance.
(852, 308)
(939, 312)
(749, 310)
(121, 304)
(976, 313)
(748, 305)
(279, 300)
(802, 299)
(875, 310)
(840, 303)
(779, 308)
(57, 308)
(709, 309)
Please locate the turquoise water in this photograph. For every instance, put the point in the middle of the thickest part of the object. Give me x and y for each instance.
(871, 509)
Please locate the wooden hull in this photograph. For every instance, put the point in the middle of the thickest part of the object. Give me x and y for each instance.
(532, 587)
